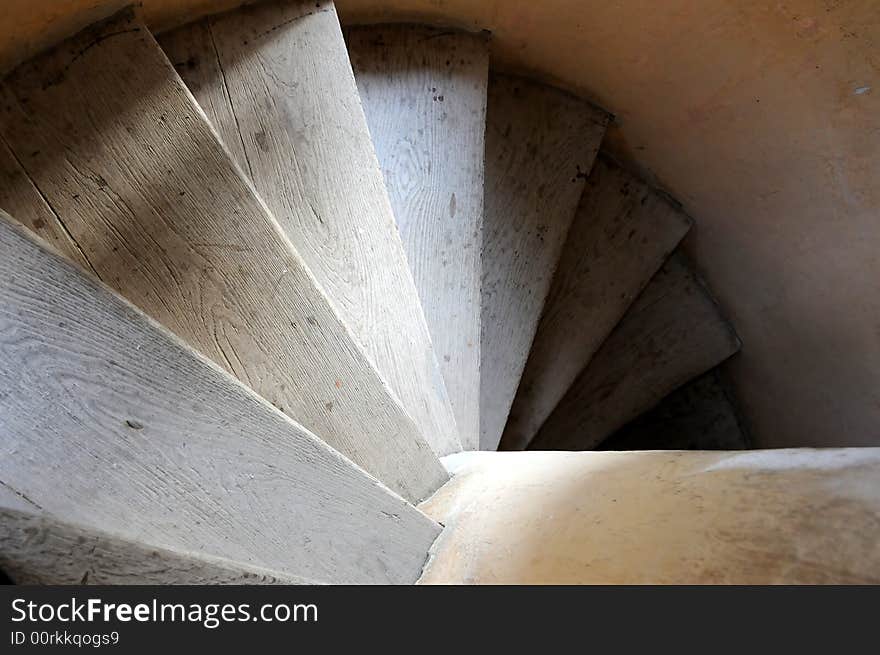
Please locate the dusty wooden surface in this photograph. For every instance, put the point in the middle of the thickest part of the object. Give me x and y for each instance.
(756, 517)
(424, 95)
(113, 423)
(40, 549)
(193, 53)
(671, 334)
(621, 235)
(142, 184)
(19, 197)
(697, 416)
(540, 146)
(282, 70)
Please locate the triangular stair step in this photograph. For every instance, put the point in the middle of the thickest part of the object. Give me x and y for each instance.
(276, 81)
(38, 549)
(622, 234)
(540, 146)
(671, 334)
(424, 95)
(138, 178)
(113, 423)
(697, 416)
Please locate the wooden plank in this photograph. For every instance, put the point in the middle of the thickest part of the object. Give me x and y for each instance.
(11, 500)
(697, 416)
(154, 202)
(113, 423)
(540, 146)
(424, 95)
(672, 333)
(19, 197)
(622, 234)
(39, 549)
(284, 68)
(192, 51)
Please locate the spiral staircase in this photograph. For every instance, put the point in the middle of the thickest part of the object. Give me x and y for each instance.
(271, 293)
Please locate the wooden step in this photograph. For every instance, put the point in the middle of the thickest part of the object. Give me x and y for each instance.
(113, 423)
(697, 416)
(140, 182)
(671, 334)
(622, 234)
(540, 146)
(38, 549)
(278, 84)
(19, 197)
(424, 95)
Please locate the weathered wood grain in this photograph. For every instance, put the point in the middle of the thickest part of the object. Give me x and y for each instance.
(622, 234)
(19, 197)
(424, 95)
(115, 424)
(540, 146)
(9, 499)
(671, 334)
(284, 69)
(152, 199)
(40, 549)
(193, 53)
(697, 416)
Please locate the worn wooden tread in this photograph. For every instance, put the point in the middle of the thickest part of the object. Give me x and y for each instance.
(699, 415)
(137, 177)
(540, 146)
(622, 234)
(19, 197)
(277, 82)
(424, 95)
(671, 334)
(40, 549)
(113, 423)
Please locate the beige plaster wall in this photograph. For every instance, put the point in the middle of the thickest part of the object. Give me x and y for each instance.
(762, 117)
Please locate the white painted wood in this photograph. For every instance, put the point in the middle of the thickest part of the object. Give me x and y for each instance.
(39, 549)
(540, 146)
(621, 235)
(284, 68)
(424, 95)
(671, 334)
(152, 199)
(113, 423)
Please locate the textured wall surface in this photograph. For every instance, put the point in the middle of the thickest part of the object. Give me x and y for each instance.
(762, 118)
